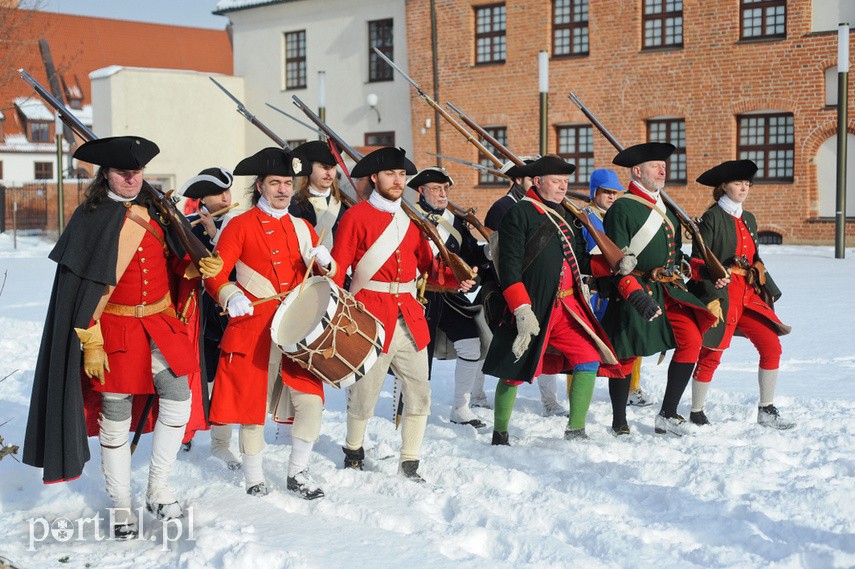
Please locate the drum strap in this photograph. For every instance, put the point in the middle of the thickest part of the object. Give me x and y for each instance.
(304, 238)
(252, 281)
(380, 251)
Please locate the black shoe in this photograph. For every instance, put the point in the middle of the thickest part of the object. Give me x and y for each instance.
(187, 446)
(698, 418)
(501, 438)
(409, 470)
(354, 459)
(259, 490)
(477, 423)
(620, 430)
(574, 434)
(303, 487)
(125, 532)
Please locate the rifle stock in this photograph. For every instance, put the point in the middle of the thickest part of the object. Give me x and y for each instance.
(714, 266)
(173, 219)
(458, 266)
(610, 251)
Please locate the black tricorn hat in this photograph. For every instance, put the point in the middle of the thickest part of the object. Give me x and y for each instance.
(430, 175)
(314, 151)
(549, 164)
(511, 170)
(209, 182)
(640, 153)
(120, 152)
(386, 158)
(271, 161)
(728, 172)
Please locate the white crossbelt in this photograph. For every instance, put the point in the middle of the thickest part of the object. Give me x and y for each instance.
(391, 288)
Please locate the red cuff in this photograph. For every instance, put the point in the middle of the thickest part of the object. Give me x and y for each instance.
(599, 266)
(516, 295)
(696, 265)
(627, 285)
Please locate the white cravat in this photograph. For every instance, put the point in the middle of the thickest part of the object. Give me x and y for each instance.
(654, 195)
(383, 204)
(319, 194)
(730, 206)
(265, 206)
(117, 198)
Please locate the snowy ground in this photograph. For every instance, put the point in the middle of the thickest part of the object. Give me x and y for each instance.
(733, 495)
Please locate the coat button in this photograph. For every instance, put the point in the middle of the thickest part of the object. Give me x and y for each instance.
(142, 259)
(145, 293)
(139, 248)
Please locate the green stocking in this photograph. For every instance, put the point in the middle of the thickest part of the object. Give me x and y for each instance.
(580, 395)
(506, 395)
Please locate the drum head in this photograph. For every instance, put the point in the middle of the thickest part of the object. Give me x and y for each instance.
(299, 318)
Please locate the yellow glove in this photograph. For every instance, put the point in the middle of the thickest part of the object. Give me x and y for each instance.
(210, 266)
(94, 356)
(715, 307)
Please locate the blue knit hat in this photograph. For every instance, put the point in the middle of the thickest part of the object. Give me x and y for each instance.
(605, 178)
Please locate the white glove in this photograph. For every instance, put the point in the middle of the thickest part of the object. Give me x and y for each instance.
(322, 255)
(527, 327)
(627, 264)
(239, 305)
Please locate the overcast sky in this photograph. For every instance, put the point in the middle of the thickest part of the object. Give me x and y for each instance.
(196, 13)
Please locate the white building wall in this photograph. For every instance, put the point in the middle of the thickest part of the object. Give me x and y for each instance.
(337, 43)
(19, 167)
(827, 14)
(191, 120)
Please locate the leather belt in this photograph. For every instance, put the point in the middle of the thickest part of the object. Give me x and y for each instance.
(564, 293)
(140, 310)
(659, 275)
(395, 287)
(738, 271)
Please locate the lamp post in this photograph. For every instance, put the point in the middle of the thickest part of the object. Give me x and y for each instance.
(842, 119)
(60, 191)
(322, 96)
(543, 87)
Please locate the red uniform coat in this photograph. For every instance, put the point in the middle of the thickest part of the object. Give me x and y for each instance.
(359, 228)
(270, 247)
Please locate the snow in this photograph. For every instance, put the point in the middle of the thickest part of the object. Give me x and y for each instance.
(33, 109)
(732, 495)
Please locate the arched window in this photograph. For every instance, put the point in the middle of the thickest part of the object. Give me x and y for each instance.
(769, 238)
(826, 173)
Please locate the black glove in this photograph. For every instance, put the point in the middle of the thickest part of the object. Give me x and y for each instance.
(644, 304)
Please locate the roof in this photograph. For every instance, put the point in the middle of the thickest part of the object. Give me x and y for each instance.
(226, 6)
(33, 109)
(80, 45)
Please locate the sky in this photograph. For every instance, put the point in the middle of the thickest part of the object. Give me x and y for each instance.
(195, 13)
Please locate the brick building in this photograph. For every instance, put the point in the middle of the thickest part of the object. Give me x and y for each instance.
(720, 79)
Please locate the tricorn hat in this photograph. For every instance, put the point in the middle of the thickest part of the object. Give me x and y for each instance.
(314, 151)
(120, 152)
(271, 161)
(430, 175)
(640, 153)
(549, 164)
(728, 172)
(605, 178)
(386, 158)
(511, 170)
(209, 182)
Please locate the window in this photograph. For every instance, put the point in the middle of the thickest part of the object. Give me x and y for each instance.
(672, 131)
(380, 36)
(43, 170)
(500, 133)
(576, 145)
(39, 132)
(490, 34)
(763, 19)
(570, 27)
(769, 238)
(295, 60)
(380, 138)
(663, 23)
(768, 140)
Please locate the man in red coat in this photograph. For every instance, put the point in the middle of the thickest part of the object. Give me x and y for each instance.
(131, 339)
(269, 249)
(387, 253)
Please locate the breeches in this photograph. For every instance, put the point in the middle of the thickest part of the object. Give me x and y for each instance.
(686, 332)
(754, 328)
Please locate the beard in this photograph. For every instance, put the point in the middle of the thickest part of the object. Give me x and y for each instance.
(650, 184)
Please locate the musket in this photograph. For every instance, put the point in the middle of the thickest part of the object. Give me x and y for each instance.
(241, 108)
(458, 266)
(173, 219)
(486, 169)
(296, 120)
(714, 267)
(612, 254)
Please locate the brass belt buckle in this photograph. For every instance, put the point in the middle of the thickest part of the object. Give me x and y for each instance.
(139, 310)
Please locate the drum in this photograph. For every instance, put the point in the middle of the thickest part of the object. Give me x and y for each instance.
(327, 332)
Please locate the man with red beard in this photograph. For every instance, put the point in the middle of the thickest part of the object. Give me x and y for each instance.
(387, 253)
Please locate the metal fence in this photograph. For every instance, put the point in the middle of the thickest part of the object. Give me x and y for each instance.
(32, 206)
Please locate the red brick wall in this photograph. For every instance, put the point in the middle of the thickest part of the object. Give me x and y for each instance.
(713, 78)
